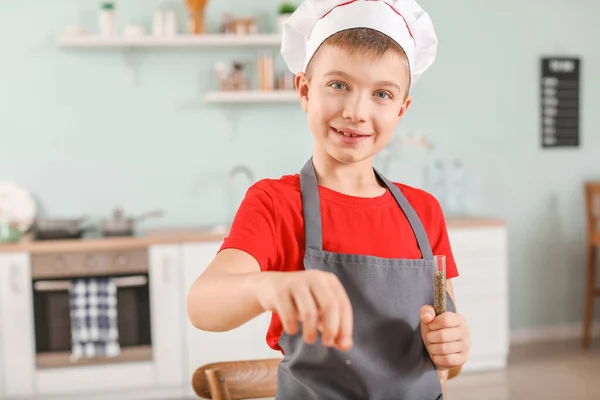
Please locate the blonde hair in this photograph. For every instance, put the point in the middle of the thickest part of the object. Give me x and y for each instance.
(364, 41)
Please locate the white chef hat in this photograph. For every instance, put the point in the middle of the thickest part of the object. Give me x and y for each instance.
(402, 20)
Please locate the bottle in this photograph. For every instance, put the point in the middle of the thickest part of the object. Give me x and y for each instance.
(170, 27)
(266, 72)
(108, 22)
(158, 25)
(439, 284)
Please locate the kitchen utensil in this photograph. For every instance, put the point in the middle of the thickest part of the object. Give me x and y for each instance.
(17, 205)
(62, 228)
(439, 284)
(119, 225)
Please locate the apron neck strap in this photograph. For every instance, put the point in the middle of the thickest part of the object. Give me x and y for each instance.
(311, 210)
(411, 215)
(311, 206)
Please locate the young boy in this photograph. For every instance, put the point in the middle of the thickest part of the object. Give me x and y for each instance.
(340, 255)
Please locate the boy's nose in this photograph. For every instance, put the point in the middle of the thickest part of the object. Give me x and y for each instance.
(356, 109)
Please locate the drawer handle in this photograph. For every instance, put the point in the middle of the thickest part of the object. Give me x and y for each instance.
(15, 284)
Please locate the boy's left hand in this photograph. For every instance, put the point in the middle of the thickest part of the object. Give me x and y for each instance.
(446, 337)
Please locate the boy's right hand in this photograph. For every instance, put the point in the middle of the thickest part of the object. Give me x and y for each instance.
(315, 298)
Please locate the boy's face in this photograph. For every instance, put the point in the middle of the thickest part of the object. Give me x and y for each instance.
(353, 102)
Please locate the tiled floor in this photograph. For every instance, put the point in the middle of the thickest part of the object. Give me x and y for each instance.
(540, 371)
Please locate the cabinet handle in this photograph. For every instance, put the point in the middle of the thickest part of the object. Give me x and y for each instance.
(14, 278)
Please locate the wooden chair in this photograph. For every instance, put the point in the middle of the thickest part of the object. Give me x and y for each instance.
(592, 201)
(237, 380)
(251, 379)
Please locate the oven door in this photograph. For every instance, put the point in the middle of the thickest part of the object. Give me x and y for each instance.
(52, 322)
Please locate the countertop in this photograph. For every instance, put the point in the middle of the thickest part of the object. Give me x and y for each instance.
(164, 236)
(176, 236)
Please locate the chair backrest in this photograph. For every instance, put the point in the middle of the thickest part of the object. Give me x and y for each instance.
(236, 380)
(592, 202)
(250, 379)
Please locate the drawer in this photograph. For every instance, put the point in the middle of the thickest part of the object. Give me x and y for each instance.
(484, 274)
(478, 241)
(67, 265)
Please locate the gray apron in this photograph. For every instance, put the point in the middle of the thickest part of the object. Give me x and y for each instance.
(388, 359)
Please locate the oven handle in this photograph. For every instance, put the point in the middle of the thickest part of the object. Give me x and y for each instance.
(51, 286)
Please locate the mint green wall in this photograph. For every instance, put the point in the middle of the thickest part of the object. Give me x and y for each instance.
(77, 133)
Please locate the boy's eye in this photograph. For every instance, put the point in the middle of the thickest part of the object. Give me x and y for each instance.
(383, 95)
(338, 85)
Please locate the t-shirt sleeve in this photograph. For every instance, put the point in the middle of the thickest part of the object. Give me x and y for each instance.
(253, 228)
(441, 243)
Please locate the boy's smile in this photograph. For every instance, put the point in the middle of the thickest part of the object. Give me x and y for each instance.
(354, 101)
(351, 136)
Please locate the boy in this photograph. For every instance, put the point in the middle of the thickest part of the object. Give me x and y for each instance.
(340, 255)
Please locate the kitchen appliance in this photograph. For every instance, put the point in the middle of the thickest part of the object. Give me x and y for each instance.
(52, 275)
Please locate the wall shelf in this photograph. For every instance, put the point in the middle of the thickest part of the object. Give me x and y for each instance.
(252, 96)
(205, 40)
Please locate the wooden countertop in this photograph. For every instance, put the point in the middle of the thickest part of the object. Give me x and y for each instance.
(473, 222)
(175, 236)
(113, 243)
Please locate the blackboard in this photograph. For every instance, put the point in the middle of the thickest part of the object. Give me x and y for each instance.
(560, 109)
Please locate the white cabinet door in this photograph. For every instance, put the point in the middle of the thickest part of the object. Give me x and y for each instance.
(481, 291)
(166, 304)
(16, 325)
(243, 343)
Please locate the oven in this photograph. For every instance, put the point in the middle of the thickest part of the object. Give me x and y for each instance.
(52, 277)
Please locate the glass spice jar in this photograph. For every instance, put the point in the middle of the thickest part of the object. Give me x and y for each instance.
(439, 284)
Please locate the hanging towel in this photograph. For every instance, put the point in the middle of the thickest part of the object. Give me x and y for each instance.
(93, 309)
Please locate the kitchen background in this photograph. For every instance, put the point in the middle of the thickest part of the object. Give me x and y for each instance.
(77, 133)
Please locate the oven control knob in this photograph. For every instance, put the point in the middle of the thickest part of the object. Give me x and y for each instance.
(121, 259)
(60, 263)
(91, 262)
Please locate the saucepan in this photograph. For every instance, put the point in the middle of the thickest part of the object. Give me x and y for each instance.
(62, 228)
(119, 225)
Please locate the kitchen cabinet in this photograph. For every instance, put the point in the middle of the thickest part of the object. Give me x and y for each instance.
(243, 343)
(166, 304)
(17, 342)
(481, 292)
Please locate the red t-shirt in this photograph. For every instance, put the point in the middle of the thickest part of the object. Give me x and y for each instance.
(270, 227)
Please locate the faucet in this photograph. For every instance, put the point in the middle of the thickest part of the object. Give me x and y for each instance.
(240, 169)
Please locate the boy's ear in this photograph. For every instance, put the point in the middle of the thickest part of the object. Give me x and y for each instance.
(302, 89)
(404, 107)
